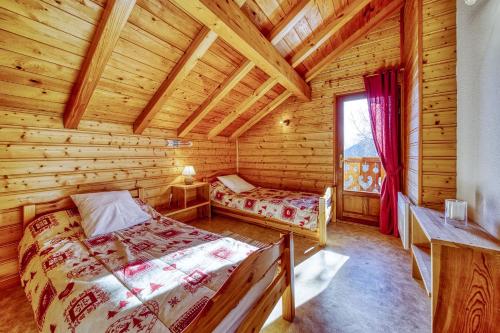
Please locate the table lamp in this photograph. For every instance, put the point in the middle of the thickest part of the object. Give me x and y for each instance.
(188, 174)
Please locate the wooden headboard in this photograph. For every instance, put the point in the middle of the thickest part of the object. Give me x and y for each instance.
(30, 212)
(213, 176)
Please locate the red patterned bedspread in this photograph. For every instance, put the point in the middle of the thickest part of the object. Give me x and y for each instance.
(298, 208)
(153, 277)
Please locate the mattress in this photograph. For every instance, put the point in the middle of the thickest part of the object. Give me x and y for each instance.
(152, 277)
(297, 208)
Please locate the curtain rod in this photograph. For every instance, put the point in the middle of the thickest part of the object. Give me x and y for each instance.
(402, 69)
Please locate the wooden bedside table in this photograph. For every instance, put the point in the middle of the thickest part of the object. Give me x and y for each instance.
(189, 202)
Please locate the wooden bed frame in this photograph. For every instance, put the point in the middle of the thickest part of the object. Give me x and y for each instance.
(277, 257)
(30, 212)
(326, 213)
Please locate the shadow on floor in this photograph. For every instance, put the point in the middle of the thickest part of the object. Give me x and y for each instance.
(360, 282)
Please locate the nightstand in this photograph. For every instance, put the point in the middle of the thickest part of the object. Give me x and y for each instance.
(189, 202)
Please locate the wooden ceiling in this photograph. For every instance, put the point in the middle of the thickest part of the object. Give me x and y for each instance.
(213, 67)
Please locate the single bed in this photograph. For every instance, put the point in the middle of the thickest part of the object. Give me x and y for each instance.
(157, 276)
(302, 213)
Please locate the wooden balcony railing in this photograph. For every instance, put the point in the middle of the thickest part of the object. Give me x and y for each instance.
(363, 174)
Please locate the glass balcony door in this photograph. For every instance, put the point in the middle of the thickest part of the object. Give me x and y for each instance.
(359, 171)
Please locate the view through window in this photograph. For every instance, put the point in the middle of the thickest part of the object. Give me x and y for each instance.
(363, 171)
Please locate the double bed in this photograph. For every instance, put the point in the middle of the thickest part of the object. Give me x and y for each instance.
(157, 276)
(303, 213)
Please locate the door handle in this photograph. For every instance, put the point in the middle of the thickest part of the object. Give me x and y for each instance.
(341, 161)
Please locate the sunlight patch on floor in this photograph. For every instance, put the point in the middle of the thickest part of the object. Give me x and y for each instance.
(312, 276)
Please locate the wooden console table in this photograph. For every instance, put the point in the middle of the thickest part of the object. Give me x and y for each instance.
(460, 270)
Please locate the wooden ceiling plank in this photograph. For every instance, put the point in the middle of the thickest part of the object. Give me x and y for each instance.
(286, 24)
(215, 98)
(113, 19)
(279, 32)
(261, 114)
(198, 47)
(349, 42)
(332, 26)
(231, 24)
(371, 24)
(243, 107)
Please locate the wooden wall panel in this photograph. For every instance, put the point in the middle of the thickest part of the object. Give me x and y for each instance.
(429, 55)
(42, 47)
(41, 161)
(439, 103)
(412, 97)
(301, 155)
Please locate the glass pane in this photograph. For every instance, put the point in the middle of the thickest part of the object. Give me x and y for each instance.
(363, 171)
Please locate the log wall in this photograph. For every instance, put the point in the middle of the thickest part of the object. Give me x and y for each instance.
(439, 103)
(301, 155)
(412, 97)
(429, 55)
(41, 161)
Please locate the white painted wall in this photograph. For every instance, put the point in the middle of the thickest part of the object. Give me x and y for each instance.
(478, 131)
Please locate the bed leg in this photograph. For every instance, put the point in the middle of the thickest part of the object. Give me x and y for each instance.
(288, 298)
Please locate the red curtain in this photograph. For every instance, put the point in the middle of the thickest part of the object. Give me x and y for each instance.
(382, 94)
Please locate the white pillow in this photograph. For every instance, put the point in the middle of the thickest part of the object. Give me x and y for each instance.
(235, 183)
(105, 212)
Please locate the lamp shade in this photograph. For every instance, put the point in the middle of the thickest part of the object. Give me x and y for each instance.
(188, 171)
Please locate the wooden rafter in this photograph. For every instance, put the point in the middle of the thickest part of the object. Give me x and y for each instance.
(261, 114)
(181, 70)
(113, 19)
(276, 35)
(372, 23)
(287, 24)
(231, 24)
(389, 10)
(215, 98)
(333, 25)
(243, 107)
(198, 47)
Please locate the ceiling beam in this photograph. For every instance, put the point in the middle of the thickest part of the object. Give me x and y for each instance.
(261, 114)
(215, 98)
(113, 19)
(285, 25)
(218, 94)
(231, 24)
(198, 47)
(332, 26)
(243, 107)
(389, 10)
